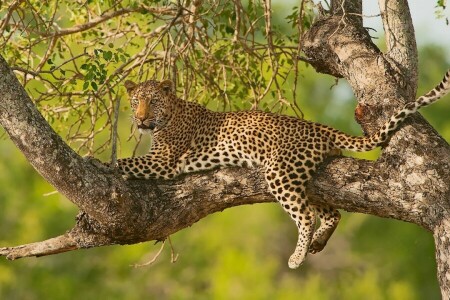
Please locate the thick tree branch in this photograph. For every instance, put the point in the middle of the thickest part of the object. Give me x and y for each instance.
(46, 151)
(442, 241)
(350, 10)
(400, 42)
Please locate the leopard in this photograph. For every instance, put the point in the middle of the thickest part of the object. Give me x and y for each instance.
(187, 137)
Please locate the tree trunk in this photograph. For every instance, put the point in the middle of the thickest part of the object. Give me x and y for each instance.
(442, 241)
(409, 182)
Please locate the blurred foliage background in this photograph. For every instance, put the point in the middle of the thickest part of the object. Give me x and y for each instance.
(241, 253)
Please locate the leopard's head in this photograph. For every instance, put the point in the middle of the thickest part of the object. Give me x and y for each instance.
(152, 103)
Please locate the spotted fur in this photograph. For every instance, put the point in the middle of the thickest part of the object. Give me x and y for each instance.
(188, 137)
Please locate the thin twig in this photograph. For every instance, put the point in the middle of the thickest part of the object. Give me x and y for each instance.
(173, 256)
(155, 257)
(114, 132)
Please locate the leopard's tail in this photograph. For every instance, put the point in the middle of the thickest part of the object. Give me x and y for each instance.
(359, 144)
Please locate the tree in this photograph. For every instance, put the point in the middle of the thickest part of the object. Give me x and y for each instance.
(243, 57)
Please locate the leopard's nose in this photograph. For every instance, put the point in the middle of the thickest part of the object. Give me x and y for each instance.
(140, 119)
(140, 116)
(141, 111)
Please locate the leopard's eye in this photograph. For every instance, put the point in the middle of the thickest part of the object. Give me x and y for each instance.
(134, 102)
(153, 100)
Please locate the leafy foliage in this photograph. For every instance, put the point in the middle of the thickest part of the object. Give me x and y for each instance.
(72, 56)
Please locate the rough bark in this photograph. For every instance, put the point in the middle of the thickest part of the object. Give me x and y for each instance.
(400, 42)
(409, 182)
(442, 242)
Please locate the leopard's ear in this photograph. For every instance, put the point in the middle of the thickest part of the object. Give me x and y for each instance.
(167, 86)
(130, 86)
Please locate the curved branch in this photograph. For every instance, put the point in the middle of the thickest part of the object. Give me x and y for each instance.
(105, 17)
(78, 180)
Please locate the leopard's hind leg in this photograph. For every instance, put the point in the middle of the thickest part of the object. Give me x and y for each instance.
(329, 220)
(292, 197)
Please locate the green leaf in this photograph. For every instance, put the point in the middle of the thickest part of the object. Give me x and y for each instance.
(89, 76)
(107, 55)
(229, 29)
(94, 86)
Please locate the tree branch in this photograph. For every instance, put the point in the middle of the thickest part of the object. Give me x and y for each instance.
(350, 10)
(45, 150)
(60, 244)
(401, 42)
(105, 17)
(442, 241)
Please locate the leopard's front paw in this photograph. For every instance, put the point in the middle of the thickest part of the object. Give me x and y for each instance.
(96, 162)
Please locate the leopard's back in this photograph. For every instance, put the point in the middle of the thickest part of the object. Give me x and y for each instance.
(252, 138)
